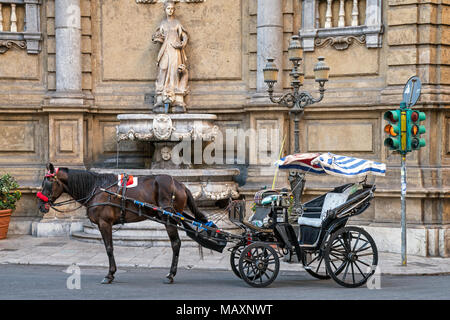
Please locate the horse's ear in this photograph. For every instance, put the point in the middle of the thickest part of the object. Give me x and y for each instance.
(50, 167)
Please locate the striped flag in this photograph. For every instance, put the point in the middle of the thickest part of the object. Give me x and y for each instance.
(348, 166)
(332, 164)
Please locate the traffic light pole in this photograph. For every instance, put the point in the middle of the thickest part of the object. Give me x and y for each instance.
(403, 208)
(403, 142)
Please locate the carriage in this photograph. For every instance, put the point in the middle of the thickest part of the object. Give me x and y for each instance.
(325, 246)
(323, 243)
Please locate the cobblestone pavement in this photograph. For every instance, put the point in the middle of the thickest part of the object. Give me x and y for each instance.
(25, 249)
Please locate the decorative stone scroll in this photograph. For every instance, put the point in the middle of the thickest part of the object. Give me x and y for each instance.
(5, 45)
(340, 43)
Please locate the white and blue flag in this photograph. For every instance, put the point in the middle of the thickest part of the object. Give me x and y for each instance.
(348, 166)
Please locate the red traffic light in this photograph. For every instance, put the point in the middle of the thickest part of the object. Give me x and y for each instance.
(414, 116)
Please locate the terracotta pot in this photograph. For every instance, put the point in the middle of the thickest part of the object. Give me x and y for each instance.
(5, 217)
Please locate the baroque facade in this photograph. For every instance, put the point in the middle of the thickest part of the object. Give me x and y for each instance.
(69, 67)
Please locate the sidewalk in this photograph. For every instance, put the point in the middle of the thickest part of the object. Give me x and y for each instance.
(25, 249)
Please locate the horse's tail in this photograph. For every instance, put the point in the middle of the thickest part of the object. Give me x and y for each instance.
(193, 207)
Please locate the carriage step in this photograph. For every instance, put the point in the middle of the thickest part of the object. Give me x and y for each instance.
(135, 241)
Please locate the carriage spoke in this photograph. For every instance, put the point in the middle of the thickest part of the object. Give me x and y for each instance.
(346, 270)
(353, 272)
(362, 273)
(320, 262)
(363, 263)
(356, 243)
(365, 254)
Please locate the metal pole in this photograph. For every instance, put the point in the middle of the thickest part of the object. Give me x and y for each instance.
(403, 204)
(296, 134)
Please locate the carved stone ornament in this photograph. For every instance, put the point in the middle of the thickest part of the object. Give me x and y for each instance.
(155, 1)
(166, 153)
(340, 43)
(133, 135)
(5, 45)
(162, 127)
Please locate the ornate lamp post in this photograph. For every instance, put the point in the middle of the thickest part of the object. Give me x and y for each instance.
(296, 101)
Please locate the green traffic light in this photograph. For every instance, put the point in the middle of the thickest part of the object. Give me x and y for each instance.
(393, 144)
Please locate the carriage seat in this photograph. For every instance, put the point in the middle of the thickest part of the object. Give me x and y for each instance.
(331, 201)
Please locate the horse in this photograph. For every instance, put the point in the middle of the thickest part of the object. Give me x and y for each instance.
(105, 211)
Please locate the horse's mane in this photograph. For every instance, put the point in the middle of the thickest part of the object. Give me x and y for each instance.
(81, 182)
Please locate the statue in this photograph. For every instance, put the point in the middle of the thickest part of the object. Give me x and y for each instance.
(172, 80)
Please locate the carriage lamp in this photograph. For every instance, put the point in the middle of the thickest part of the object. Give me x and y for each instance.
(296, 101)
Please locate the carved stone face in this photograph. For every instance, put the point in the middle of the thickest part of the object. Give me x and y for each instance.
(170, 9)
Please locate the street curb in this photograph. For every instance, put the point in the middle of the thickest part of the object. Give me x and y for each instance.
(200, 268)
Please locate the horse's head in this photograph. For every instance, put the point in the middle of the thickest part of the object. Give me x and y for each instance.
(52, 188)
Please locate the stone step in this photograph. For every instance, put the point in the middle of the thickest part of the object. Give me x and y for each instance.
(134, 241)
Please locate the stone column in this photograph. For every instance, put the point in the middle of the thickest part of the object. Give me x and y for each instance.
(68, 52)
(66, 116)
(269, 29)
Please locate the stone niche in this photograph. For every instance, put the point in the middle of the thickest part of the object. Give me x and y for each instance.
(214, 29)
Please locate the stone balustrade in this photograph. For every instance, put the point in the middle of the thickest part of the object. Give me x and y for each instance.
(340, 23)
(10, 20)
(354, 14)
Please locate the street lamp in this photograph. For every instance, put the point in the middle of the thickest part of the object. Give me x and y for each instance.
(296, 101)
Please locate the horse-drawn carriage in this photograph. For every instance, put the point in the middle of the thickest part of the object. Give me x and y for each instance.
(323, 243)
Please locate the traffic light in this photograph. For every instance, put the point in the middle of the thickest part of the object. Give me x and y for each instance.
(393, 129)
(415, 129)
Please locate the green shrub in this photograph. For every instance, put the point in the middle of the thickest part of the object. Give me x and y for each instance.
(9, 193)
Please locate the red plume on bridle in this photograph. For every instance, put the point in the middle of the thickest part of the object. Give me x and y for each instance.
(49, 174)
(40, 195)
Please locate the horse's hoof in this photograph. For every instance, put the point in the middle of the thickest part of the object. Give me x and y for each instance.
(107, 280)
(168, 280)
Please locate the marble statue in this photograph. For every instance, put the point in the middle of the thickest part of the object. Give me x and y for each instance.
(172, 80)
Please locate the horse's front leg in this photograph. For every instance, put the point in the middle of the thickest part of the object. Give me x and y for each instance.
(106, 231)
(176, 244)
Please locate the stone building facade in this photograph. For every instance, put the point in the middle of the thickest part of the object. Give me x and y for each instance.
(69, 67)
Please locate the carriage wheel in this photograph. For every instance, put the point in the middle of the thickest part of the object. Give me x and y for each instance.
(234, 259)
(259, 265)
(351, 256)
(315, 266)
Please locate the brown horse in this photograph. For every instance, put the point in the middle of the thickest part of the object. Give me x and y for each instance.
(84, 187)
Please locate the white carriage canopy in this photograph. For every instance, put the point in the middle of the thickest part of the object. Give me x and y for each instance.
(329, 163)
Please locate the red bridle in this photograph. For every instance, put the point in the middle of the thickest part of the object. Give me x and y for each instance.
(50, 175)
(40, 195)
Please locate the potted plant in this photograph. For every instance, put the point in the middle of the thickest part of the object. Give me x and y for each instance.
(9, 195)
